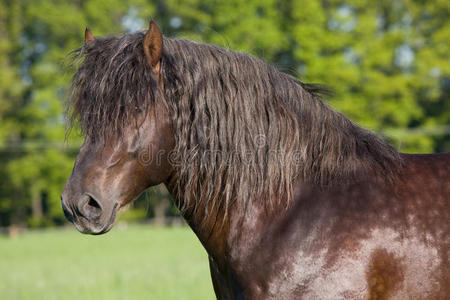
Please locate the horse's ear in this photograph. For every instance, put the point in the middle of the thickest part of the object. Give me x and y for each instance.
(88, 36)
(153, 46)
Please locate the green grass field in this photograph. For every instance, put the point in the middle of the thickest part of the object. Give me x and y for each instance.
(137, 262)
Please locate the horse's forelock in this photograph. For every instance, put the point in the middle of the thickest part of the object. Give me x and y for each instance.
(112, 87)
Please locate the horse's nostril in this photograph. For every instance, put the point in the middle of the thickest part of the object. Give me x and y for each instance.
(94, 203)
(92, 209)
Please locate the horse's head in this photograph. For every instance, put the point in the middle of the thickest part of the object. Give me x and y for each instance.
(114, 166)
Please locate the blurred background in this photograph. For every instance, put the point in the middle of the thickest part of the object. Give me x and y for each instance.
(388, 62)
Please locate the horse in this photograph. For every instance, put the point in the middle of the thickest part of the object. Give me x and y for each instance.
(290, 199)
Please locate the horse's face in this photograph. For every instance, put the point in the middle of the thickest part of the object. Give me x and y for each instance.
(109, 174)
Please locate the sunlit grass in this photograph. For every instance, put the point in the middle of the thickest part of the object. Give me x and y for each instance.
(139, 262)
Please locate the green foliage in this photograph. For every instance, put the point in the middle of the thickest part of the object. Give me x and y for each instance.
(388, 62)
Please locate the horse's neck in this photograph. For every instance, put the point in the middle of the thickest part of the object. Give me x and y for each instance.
(228, 239)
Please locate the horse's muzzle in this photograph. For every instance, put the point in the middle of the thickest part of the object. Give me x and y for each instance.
(88, 215)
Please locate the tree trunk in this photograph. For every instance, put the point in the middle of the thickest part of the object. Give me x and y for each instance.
(36, 204)
(161, 204)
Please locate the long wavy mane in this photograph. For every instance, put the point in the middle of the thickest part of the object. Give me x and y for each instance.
(243, 129)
